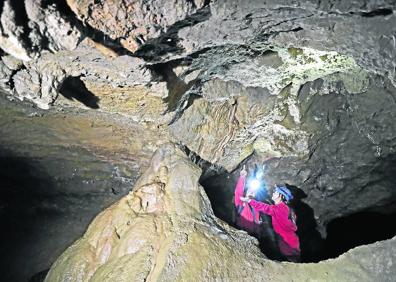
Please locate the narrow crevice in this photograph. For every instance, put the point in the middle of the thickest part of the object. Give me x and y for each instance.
(358, 229)
(374, 13)
(207, 3)
(185, 102)
(180, 94)
(208, 169)
(266, 36)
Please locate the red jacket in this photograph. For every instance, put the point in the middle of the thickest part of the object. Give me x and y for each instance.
(283, 226)
(246, 220)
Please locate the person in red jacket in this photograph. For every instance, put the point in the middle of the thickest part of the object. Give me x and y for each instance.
(283, 221)
(247, 218)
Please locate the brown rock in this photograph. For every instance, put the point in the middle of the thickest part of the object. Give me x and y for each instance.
(165, 230)
(133, 22)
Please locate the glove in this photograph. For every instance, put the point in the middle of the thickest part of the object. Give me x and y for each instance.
(245, 199)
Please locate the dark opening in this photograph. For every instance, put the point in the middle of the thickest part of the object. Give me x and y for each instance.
(23, 219)
(21, 19)
(358, 229)
(343, 233)
(220, 190)
(46, 204)
(73, 88)
(376, 13)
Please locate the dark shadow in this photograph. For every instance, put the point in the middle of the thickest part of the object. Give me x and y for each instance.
(22, 189)
(87, 30)
(358, 229)
(220, 190)
(21, 20)
(176, 86)
(375, 13)
(39, 277)
(311, 241)
(73, 88)
(168, 42)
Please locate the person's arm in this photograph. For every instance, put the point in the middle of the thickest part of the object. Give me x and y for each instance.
(239, 191)
(262, 207)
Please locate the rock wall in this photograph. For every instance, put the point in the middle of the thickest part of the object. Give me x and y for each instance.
(306, 87)
(165, 230)
(58, 170)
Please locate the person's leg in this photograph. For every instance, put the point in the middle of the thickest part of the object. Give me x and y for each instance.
(269, 245)
(290, 254)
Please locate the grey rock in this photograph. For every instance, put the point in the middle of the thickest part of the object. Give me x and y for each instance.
(5, 75)
(12, 63)
(11, 37)
(45, 29)
(47, 22)
(41, 80)
(349, 29)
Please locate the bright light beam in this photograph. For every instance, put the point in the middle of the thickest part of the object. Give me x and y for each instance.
(254, 184)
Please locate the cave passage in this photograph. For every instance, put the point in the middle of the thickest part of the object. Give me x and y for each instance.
(343, 234)
(220, 190)
(358, 229)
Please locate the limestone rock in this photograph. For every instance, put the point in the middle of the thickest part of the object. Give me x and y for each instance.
(49, 25)
(30, 26)
(41, 88)
(122, 84)
(253, 100)
(165, 230)
(230, 122)
(5, 74)
(59, 169)
(352, 30)
(12, 63)
(355, 142)
(11, 36)
(133, 23)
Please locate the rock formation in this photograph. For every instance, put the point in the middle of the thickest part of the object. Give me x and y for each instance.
(165, 230)
(307, 87)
